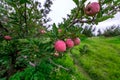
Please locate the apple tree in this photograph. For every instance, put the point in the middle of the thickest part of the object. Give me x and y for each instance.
(29, 50)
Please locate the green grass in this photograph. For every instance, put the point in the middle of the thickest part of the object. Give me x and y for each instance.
(102, 59)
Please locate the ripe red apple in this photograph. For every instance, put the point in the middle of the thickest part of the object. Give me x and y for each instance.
(69, 43)
(60, 46)
(7, 37)
(76, 41)
(42, 31)
(92, 9)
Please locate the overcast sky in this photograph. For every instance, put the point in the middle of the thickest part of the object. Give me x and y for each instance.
(61, 8)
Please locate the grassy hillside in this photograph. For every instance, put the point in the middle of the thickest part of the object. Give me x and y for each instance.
(96, 58)
(100, 58)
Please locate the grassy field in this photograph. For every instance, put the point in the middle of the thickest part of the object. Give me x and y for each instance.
(98, 58)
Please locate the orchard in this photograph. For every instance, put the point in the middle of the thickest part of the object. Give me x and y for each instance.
(29, 50)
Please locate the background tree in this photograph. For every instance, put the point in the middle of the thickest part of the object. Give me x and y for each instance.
(88, 31)
(111, 31)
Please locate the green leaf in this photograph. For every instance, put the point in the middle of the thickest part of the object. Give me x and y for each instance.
(99, 14)
(55, 30)
(104, 18)
(76, 2)
(24, 1)
(107, 1)
(10, 2)
(83, 1)
(2, 9)
(116, 2)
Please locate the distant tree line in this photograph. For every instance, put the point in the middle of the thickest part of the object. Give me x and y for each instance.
(111, 31)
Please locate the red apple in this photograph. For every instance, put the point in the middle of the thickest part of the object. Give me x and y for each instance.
(60, 46)
(7, 37)
(92, 9)
(76, 41)
(69, 43)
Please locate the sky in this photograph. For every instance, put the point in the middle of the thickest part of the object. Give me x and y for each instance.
(61, 8)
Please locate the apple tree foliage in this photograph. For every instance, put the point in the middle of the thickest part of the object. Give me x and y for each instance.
(30, 54)
(23, 18)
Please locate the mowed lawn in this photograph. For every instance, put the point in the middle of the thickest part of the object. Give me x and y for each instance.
(98, 58)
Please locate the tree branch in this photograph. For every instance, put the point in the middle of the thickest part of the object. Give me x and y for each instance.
(81, 21)
(26, 18)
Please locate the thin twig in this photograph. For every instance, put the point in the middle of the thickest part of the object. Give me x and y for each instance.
(60, 66)
(81, 21)
(115, 9)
